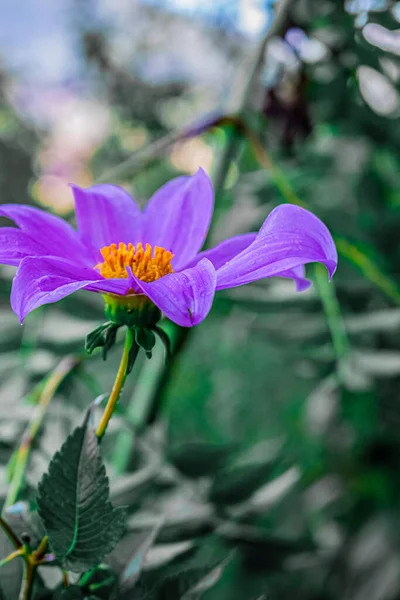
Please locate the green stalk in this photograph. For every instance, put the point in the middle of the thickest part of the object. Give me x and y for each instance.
(333, 315)
(118, 385)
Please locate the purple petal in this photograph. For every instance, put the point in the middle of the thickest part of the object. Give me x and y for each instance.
(56, 236)
(290, 237)
(226, 250)
(294, 219)
(106, 214)
(16, 245)
(178, 217)
(299, 276)
(41, 281)
(185, 297)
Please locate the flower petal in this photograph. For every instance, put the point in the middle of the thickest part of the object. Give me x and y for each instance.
(16, 245)
(178, 216)
(299, 276)
(41, 281)
(226, 250)
(185, 297)
(290, 237)
(56, 236)
(106, 214)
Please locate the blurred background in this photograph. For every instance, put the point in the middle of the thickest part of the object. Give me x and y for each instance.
(273, 440)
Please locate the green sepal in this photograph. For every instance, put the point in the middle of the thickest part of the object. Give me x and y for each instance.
(109, 339)
(103, 336)
(145, 339)
(134, 351)
(95, 339)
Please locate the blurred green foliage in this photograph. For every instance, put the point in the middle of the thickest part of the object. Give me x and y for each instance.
(264, 464)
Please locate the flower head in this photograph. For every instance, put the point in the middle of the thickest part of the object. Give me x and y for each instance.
(133, 256)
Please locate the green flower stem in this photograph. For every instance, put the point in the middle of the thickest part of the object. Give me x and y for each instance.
(47, 392)
(333, 315)
(118, 385)
(141, 402)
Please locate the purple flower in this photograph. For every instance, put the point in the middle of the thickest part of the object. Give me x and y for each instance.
(119, 250)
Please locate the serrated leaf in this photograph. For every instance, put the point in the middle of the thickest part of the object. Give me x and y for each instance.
(73, 503)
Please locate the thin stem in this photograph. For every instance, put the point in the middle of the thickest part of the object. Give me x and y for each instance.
(117, 387)
(22, 455)
(10, 534)
(333, 315)
(27, 583)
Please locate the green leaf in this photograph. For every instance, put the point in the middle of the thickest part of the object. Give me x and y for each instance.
(82, 525)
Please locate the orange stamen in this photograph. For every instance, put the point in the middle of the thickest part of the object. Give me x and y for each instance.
(146, 264)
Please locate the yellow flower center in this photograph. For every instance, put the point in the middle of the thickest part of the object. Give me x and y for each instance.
(146, 264)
